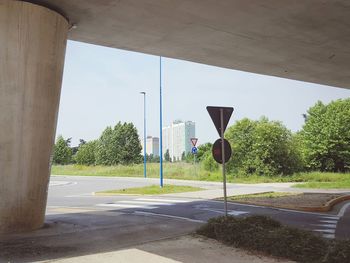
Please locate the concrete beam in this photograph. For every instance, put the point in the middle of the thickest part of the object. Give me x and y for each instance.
(32, 51)
(302, 40)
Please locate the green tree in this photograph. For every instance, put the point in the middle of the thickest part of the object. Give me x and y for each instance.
(167, 155)
(62, 153)
(208, 162)
(152, 158)
(129, 145)
(86, 153)
(262, 147)
(203, 149)
(183, 156)
(120, 145)
(76, 148)
(326, 136)
(105, 150)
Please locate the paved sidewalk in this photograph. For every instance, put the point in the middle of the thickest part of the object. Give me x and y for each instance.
(185, 249)
(215, 189)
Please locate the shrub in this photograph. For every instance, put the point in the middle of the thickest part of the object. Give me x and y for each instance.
(266, 235)
(339, 252)
(263, 148)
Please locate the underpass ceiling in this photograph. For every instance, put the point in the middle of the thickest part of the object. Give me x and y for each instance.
(302, 40)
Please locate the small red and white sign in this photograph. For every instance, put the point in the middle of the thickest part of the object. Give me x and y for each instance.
(194, 141)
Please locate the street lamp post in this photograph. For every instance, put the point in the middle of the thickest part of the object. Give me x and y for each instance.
(144, 134)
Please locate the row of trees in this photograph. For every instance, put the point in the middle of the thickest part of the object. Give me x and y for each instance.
(118, 145)
(261, 147)
(266, 147)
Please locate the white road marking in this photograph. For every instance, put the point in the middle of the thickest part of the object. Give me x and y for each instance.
(146, 203)
(143, 202)
(331, 217)
(330, 236)
(80, 195)
(274, 208)
(331, 231)
(127, 206)
(326, 225)
(221, 211)
(61, 183)
(165, 200)
(329, 221)
(237, 213)
(343, 209)
(170, 216)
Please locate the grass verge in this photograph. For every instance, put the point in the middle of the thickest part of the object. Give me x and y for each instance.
(260, 195)
(262, 234)
(153, 190)
(187, 171)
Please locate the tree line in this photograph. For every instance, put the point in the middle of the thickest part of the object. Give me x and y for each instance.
(260, 147)
(118, 145)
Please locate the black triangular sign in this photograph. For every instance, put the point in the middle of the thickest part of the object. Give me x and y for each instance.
(214, 113)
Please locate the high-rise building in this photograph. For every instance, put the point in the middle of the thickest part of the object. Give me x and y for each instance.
(152, 145)
(177, 138)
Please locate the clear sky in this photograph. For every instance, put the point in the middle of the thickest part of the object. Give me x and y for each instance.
(101, 87)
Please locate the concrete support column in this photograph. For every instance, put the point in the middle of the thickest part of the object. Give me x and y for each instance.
(32, 50)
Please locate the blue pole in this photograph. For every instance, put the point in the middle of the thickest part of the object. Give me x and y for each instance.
(144, 135)
(160, 125)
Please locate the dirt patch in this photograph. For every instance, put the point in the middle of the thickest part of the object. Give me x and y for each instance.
(294, 201)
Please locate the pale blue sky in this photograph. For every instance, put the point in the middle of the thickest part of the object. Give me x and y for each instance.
(101, 87)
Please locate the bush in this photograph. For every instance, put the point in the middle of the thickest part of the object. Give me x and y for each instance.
(339, 252)
(263, 148)
(208, 162)
(266, 235)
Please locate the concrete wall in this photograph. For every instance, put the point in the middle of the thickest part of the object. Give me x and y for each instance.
(32, 50)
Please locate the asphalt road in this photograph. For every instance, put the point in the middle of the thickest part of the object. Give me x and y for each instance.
(77, 193)
(80, 223)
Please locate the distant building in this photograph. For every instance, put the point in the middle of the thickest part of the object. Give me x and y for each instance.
(177, 138)
(152, 146)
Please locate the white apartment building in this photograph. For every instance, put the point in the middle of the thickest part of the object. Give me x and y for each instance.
(177, 138)
(152, 145)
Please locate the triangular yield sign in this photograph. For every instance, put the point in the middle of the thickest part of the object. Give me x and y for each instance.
(214, 113)
(194, 141)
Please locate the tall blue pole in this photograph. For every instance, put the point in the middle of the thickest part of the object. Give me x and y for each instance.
(160, 125)
(144, 135)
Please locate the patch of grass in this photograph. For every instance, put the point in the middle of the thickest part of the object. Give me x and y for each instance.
(325, 185)
(260, 195)
(187, 171)
(153, 190)
(182, 171)
(266, 235)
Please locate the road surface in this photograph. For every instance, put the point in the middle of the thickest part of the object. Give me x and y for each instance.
(77, 193)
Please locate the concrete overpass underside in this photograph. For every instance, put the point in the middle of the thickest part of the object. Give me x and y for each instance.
(302, 40)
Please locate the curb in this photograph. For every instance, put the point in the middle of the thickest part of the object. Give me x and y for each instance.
(324, 208)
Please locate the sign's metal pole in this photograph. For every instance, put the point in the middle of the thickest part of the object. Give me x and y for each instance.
(160, 125)
(223, 158)
(194, 165)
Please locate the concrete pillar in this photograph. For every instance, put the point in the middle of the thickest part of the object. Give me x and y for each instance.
(32, 50)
